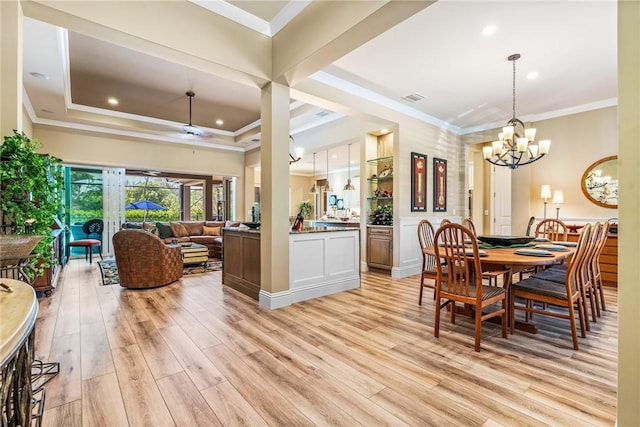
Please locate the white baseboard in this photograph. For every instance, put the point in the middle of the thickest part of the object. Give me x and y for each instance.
(288, 297)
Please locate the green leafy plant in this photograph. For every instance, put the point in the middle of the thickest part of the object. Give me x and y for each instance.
(305, 209)
(30, 192)
(382, 215)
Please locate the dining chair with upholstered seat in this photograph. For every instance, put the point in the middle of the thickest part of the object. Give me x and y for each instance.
(529, 225)
(426, 234)
(467, 222)
(92, 230)
(462, 283)
(445, 221)
(567, 294)
(491, 276)
(552, 229)
(596, 274)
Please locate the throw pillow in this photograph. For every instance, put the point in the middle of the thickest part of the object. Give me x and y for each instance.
(150, 227)
(178, 229)
(211, 231)
(131, 225)
(164, 230)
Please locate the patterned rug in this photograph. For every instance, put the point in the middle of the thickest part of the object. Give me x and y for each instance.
(109, 270)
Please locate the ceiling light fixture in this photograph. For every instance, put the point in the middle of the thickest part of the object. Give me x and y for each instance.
(314, 189)
(190, 129)
(327, 187)
(112, 101)
(511, 145)
(349, 186)
(489, 30)
(298, 150)
(219, 122)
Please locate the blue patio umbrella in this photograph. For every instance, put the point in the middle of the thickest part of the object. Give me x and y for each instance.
(145, 205)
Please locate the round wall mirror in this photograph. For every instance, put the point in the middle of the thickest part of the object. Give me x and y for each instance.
(600, 182)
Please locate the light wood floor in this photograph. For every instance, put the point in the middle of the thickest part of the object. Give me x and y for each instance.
(196, 353)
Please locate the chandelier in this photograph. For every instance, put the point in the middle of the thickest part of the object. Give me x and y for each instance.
(515, 145)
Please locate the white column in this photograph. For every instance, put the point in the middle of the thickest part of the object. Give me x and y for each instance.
(274, 164)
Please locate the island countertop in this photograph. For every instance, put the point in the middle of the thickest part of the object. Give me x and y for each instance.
(304, 230)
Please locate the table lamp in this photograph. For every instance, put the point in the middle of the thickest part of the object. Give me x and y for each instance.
(545, 194)
(558, 199)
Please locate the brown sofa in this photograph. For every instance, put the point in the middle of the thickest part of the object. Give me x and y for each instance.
(201, 232)
(144, 261)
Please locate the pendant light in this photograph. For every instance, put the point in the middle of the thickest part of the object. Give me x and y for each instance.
(349, 186)
(314, 189)
(327, 188)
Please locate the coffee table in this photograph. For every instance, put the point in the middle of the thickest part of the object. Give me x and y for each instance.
(195, 253)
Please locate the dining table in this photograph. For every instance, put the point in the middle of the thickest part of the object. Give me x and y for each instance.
(507, 259)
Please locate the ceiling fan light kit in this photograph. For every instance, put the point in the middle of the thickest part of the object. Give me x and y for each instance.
(515, 139)
(190, 129)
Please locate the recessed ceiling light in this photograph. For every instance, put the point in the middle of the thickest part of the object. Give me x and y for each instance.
(489, 30)
(219, 122)
(39, 75)
(334, 156)
(112, 101)
(44, 110)
(532, 75)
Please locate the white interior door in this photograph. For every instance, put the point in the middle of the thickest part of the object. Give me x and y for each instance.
(501, 203)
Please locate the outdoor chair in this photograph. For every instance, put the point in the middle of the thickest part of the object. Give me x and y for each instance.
(93, 232)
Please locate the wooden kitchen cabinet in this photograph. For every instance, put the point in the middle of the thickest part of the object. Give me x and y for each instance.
(380, 247)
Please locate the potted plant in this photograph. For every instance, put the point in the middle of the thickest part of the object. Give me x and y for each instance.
(382, 215)
(305, 209)
(31, 193)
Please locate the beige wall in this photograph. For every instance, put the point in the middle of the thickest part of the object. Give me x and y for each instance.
(85, 148)
(577, 140)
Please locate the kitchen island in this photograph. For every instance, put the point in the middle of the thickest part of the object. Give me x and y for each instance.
(322, 261)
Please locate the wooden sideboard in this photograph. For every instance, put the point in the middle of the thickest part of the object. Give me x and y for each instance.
(608, 259)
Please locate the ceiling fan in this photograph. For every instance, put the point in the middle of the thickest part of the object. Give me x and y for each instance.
(190, 129)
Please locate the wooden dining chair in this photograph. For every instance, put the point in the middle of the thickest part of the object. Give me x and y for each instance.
(552, 229)
(595, 268)
(529, 225)
(567, 294)
(491, 276)
(426, 235)
(444, 221)
(558, 274)
(462, 283)
(467, 222)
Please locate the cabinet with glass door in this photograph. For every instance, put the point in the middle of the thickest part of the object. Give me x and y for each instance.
(380, 184)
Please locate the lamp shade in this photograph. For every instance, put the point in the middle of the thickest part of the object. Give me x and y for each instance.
(558, 197)
(545, 193)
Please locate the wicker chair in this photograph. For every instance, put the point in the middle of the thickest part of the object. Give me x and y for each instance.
(144, 261)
